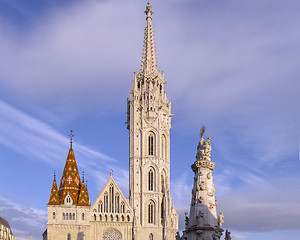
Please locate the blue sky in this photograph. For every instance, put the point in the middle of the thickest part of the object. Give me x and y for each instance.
(231, 65)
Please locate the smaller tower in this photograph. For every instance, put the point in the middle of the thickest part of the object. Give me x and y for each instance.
(69, 205)
(202, 222)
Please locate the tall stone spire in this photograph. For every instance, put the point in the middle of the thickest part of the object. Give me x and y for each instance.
(149, 64)
(203, 222)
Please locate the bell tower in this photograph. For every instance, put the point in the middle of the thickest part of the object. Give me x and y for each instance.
(149, 124)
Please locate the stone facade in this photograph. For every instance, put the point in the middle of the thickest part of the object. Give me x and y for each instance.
(202, 223)
(149, 212)
(5, 231)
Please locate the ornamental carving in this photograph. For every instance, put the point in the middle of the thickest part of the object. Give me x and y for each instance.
(204, 147)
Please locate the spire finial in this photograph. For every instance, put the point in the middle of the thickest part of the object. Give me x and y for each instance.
(83, 176)
(54, 176)
(111, 172)
(149, 63)
(148, 10)
(71, 138)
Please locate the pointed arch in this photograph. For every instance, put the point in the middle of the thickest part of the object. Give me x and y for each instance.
(117, 203)
(150, 236)
(151, 179)
(151, 212)
(100, 206)
(122, 207)
(111, 197)
(105, 202)
(151, 143)
(163, 147)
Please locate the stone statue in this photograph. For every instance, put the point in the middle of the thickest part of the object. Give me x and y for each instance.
(204, 147)
(178, 236)
(200, 199)
(199, 218)
(186, 220)
(221, 219)
(227, 235)
(216, 236)
(202, 186)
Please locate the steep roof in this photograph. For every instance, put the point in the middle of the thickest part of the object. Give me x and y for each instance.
(70, 180)
(84, 199)
(70, 184)
(54, 198)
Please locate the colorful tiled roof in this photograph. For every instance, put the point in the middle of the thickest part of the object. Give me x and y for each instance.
(84, 199)
(54, 198)
(70, 180)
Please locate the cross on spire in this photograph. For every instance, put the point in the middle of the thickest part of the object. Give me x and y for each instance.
(71, 138)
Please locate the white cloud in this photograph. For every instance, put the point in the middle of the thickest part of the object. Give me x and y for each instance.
(24, 221)
(262, 206)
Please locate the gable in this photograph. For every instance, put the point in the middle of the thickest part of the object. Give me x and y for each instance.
(111, 201)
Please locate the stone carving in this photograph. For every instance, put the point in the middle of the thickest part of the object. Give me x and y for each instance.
(227, 235)
(208, 175)
(204, 147)
(221, 219)
(203, 186)
(186, 220)
(216, 236)
(211, 205)
(199, 218)
(200, 199)
(178, 236)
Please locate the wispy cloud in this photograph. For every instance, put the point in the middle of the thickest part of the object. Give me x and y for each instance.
(24, 220)
(263, 206)
(39, 141)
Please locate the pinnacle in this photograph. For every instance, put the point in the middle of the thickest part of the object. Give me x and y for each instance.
(149, 64)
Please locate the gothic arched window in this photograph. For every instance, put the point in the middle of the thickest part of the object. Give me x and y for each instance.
(111, 198)
(151, 213)
(150, 236)
(122, 207)
(151, 180)
(73, 216)
(163, 146)
(69, 237)
(53, 215)
(117, 204)
(151, 142)
(105, 202)
(82, 216)
(64, 216)
(100, 206)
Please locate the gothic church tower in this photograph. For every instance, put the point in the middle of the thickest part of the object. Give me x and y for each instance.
(149, 124)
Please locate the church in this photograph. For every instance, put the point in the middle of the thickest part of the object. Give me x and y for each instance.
(148, 213)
